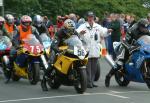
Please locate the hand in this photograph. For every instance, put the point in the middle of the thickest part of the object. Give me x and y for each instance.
(110, 30)
(83, 32)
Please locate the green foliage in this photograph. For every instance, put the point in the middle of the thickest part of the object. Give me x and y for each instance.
(62, 7)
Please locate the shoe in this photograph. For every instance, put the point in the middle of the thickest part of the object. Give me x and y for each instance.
(95, 85)
(43, 84)
(89, 86)
(107, 81)
(109, 75)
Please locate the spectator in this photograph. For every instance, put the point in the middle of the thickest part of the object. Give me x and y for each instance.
(73, 17)
(116, 33)
(90, 33)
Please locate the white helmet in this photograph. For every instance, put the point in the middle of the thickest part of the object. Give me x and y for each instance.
(69, 24)
(9, 18)
(37, 20)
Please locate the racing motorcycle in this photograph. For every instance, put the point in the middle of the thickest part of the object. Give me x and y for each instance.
(5, 46)
(137, 68)
(70, 67)
(46, 43)
(28, 59)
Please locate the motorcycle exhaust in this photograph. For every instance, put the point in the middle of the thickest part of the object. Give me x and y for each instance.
(6, 60)
(110, 61)
(44, 61)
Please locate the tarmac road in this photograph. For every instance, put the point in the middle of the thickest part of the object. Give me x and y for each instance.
(23, 92)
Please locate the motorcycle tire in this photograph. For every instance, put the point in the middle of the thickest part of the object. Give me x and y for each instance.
(15, 77)
(121, 80)
(34, 75)
(146, 77)
(81, 84)
(98, 72)
(53, 82)
(5, 70)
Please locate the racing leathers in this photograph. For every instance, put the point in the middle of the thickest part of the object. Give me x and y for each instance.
(60, 37)
(126, 49)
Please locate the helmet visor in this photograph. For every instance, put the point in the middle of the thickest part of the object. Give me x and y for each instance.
(26, 23)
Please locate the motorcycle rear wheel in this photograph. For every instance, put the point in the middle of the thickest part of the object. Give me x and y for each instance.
(81, 84)
(34, 75)
(146, 73)
(121, 80)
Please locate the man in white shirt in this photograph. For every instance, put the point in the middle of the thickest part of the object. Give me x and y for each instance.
(91, 33)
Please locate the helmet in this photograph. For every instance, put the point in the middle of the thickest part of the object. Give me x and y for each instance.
(9, 18)
(69, 24)
(143, 25)
(81, 21)
(26, 20)
(90, 13)
(37, 20)
(69, 27)
(1, 20)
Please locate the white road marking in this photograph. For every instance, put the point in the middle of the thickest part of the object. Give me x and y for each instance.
(115, 91)
(65, 96)
(119, 96)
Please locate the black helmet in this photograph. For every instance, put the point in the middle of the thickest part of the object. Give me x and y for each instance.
(143, 22)
(143, 25)
(90, 13)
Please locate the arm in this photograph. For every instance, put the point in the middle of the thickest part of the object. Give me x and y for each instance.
(36, 33)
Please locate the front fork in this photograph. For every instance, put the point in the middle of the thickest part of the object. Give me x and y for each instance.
(110, 60)
(45, 64)
(6, 60)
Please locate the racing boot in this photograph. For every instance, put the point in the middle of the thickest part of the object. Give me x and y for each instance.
(110, 74)
(45, 77)
(43, 84)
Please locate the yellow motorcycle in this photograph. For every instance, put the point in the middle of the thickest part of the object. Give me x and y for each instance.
(70, 67)
(28, 59)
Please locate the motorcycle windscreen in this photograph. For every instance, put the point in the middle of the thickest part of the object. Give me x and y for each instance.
(144, 41)
(32, 45)
(5, 43)
(77, 46)
(73, 41)
(46, 40)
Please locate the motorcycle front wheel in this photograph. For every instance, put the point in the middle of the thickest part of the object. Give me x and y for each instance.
(81, 82)
(53, 81)
(34, 74)
(120, 79)
(15, 77)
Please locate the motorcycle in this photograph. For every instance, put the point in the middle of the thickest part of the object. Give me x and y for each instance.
(46, 43)
(137, 68)
(70, 67)
(28, 59)
(5, 46)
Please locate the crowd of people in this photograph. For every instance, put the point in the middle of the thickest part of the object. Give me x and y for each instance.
(90, 29)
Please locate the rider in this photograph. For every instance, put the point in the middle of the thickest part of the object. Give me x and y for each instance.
(23, 30)
(9, 26)
(63, 34)
(128, 46)
(38, 23)
(2, 20)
